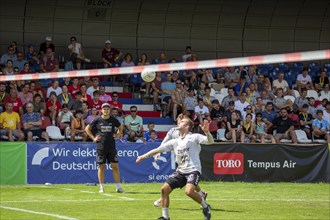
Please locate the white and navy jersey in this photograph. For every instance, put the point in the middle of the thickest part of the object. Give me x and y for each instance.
(187, 151)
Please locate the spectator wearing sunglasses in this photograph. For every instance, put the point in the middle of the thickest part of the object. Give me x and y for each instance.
(321, 127)
(133, 125)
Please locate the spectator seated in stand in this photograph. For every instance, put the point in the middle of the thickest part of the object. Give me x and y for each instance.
(133, 125)
(10, 123)
(260, 130)
(78, 126)
(53, 107)
(32, 124)
(153, 137)
(233, 128)
(92, 116)
(146, 136)
(64, 117)
(248, 129)
(306, 121)
(304, 80)
(321, 128)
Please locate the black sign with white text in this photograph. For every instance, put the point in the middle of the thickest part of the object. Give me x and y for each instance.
(266, 162)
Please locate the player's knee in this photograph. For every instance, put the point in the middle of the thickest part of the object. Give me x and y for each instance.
(189, 191)
(165, 190)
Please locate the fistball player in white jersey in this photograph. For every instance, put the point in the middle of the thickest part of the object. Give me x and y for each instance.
(186, 148)
(173, 133)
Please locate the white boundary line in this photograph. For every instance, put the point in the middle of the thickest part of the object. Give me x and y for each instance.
(174, 199)
(38, 213)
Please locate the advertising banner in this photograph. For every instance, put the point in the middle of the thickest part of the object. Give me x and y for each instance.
(266, 163)
(67, 162)
(12, 163)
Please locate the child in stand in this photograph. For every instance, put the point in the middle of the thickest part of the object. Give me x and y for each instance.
(153, 136)
(260, 130)
(151, 126)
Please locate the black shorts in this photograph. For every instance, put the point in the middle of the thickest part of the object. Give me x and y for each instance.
(104, 156)
(34, 133)
(179, 180)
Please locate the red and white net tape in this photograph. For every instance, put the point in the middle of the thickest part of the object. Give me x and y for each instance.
(241, 61)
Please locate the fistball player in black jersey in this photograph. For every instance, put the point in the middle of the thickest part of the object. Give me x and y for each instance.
(103, 131)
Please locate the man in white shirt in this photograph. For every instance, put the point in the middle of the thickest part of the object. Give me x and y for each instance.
(281, 83)
(54, 88)
(186, 148)
(241, 104)
(201, 112)
(94, 87)
(304, 80)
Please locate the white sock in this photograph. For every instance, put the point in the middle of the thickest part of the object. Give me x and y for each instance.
(117, 185)
(200, 193)
(101, 186)
(203, 203)
(165, 212)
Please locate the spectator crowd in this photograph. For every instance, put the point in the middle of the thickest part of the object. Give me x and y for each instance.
(264, 103)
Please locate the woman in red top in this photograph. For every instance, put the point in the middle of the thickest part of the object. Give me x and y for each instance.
(53, 107)
(26, 69)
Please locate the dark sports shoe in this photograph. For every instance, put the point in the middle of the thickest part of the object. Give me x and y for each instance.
(162, 218)
(207, 212)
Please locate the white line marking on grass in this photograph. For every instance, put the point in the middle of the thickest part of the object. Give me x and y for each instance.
(67, 189)
(106, 194)
(174, 199)
(123, 197)
(38, 213)
(87, 191)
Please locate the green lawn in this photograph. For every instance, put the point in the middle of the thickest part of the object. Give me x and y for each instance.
(228, 201)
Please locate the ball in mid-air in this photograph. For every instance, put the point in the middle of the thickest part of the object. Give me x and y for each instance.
(148, 76)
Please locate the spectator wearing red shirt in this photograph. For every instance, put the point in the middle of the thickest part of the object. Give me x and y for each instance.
(96, 102)
(110, 55)
(49, 63)
(17, 102)
(115, 103)
(75, 87)
(53, 107)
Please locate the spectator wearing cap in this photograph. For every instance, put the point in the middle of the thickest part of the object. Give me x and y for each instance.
(190, 102)
(228, 98)
(110, 55)
(53, 107)
(321, 81)
(326, 112)
(304, 80)
(45, 45)
(306, 120)
(78, 126)
(284, 127)
(230, 110)
(321, 127)
(301, 100)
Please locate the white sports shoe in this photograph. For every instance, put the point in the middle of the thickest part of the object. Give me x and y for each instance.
(87, 60)
(101, 190)
(158, 202)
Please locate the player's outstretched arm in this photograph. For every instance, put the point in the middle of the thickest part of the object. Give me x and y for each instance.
(146, 155)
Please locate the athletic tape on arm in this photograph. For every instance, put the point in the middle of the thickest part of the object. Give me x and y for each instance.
(240, 61)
